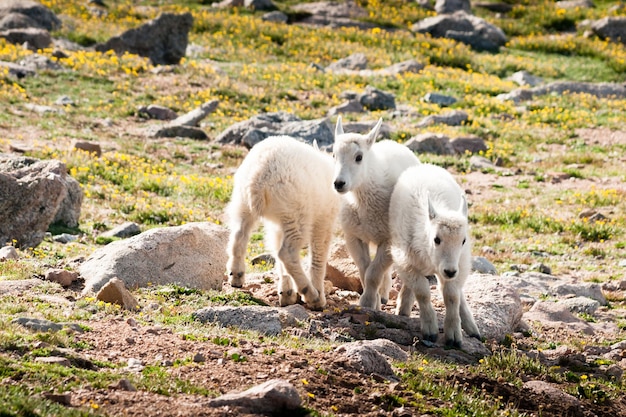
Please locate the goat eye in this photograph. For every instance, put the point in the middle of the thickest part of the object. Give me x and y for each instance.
(437, 240)
(359, 158)
(463, 242)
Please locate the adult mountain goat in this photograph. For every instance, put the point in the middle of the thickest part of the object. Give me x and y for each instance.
(365, 173)
(430, 236)
(288, 185)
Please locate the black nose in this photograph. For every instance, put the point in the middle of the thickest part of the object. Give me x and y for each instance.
(450, 273)
(339, 185)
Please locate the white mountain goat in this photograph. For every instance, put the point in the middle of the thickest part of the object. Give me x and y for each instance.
(365, 173)
(430, 236)
(289, 185)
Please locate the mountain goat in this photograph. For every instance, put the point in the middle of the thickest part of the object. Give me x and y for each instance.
(365, 173)
(430, 235)
(288, 185)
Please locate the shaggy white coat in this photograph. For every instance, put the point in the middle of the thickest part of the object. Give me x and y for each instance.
(430, 236)
(289, 185)
(365, 174)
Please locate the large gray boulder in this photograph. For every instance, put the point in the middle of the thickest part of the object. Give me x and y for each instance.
(274, 397)
(252, 131)
(164, 40)
(27, 13)
(192, 255)
(333, 14)
(34, 195)
(463, 27)
(495, 304)
(451, 6)
(613, 28)
(35, 38)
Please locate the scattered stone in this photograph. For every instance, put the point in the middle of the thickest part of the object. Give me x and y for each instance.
(163, 40)
(463, 27)
(350, 106)
(16, 71)
(599, 90)
(41, 109)
(124, 230)
(341, 270)
(524, 78)
(468, 144)
(63, 399)
(157, 112)
(439, 99)
(34, 11)
(540, 267)
(38, 62)
(177, 131)
(613, 28)
(65, 238)
(192, 255)
(482, 265)
(34, 38)
(194, 117)
(276, 17)
(589, 289)
(480, 163)
(252, 131)
(433, 143)
(365, 358)
(333, 14)
(8, 252)
(495, 304)
(198, 358)
(115, 292)
(272, 397)
(556, 400)
(581, 305)
(265, 259)
(496, 7)
(354, 62)
(54, 360)
(18, 286)
(374, 99)
(134, 365)
(259, 4)
(553, 315)
(64, 101)
(61, 276)
(451, 118)
(451, 6)
(404, 67)
(38, 325)
(574, 4)
(89, 147)
(34, 193)
(123, 385)
(266, 320)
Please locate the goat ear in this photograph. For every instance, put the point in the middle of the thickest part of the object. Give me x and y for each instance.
(371, 137)
(315, 145)
(432, 213)
(463, 208)
(338, 127)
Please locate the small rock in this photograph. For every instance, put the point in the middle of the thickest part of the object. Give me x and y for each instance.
(8, 252)
(199, 357)
(483, 266)
(276, 16)
(63, 399)
(61, 276)
(157, 112)
(265, 259)
(65, 238)
(540, 267)
(196, 115)
(124, 230)
(272, 397)
(439, 99)
(524, 78)
(581, 305)
(54, 360)
(115, 292)
(134, 365)
(90, 147)
(64, 101)
(39, 325)
(124, 385)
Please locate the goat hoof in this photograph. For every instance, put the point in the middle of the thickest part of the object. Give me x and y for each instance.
(384, 301)
(430, 337)
(236, 279)
(453, 344)
(288, 298)
(476, 336)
